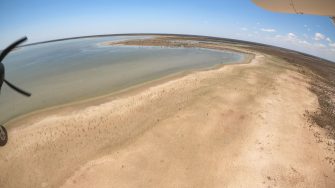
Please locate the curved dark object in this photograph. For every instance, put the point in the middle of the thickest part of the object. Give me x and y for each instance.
(17, 89)
(2, 67)
(11, 47)
(3, 136)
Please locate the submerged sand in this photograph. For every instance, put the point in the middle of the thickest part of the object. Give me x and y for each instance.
(240, 125)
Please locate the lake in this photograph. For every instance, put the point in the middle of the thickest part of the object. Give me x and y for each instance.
(66, 71)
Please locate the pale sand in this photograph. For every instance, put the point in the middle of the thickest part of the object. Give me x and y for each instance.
(236, 126)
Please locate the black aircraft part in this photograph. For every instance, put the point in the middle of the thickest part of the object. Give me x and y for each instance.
(2, 67)
(2, 74)
(3, 136)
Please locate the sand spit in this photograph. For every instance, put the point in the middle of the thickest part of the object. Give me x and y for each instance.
(236, 126)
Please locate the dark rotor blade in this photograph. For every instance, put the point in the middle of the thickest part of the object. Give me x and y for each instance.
(17, 89)
(11, 47)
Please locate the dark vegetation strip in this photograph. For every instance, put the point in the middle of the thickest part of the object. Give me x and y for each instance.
(322, 80)
(322, 83)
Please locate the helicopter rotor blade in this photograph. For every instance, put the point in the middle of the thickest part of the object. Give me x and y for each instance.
(11, 47)
(17, 89)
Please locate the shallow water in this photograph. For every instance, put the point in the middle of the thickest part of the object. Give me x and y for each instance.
(66, 71)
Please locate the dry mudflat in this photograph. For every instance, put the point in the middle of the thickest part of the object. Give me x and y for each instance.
(239, 125)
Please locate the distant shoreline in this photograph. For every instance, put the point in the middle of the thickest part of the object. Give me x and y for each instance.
(219, 39)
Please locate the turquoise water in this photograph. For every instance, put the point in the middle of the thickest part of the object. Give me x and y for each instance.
(66, 71)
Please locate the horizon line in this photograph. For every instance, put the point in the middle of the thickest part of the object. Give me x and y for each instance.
(172, 34)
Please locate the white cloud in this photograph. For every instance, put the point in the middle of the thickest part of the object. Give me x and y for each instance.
(268, 30)
(244, 29)
(320, 48)
(292, 39)
(291, 35)
(328, 39)
(304, 42)
(319, 45)
(319, 36)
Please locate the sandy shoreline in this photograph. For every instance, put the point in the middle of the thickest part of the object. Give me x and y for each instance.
(238, 125)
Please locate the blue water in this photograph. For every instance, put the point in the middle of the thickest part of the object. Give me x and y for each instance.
(66, 71)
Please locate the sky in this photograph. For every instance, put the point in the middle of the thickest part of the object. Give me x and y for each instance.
(42, 20)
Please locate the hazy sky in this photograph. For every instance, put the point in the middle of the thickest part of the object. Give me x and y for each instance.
(41, 20)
